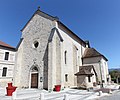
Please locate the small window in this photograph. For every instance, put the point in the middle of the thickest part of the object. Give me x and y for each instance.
(4, 72)
(36, 44)
(65, 57)
(89, 80)
(66, 77)
(6, 55)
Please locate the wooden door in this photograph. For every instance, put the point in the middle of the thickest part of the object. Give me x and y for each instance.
(34, 80)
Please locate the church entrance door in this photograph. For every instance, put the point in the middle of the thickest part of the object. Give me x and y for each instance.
(34, 77)
(34, 80)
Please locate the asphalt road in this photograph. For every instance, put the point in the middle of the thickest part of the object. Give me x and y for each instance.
(114, 96)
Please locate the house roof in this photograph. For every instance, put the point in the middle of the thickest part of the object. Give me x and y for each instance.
(3, 44)
(45, 15)
(86, 70)
(91, 52)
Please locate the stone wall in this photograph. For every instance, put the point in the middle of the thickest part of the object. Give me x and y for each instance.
(37, 30)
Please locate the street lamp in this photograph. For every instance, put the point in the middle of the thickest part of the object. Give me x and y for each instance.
(101, 74)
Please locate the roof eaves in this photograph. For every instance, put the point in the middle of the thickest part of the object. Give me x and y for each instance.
(104, 57)
(91, 56)
(77, 74)
(12, 48)
(96, 56)
(59, 22)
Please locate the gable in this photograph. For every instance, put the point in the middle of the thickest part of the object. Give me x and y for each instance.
(52, 34)
(86, 70)
(42, 14)
(60, 25)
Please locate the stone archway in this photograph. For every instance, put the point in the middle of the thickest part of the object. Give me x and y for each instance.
(34, 77)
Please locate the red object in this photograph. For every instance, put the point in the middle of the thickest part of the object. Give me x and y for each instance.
(9, 84)
(10, 89)
(57, 88)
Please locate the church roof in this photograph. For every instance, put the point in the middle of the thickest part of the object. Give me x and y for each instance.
(85, 70)
(91, 52)
(45, 15)
(3, 44)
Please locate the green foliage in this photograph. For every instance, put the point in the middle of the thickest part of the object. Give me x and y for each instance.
(114, 80)
(115, 75)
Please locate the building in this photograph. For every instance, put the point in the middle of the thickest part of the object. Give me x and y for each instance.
(99, 61)
(50, 54)
(7, 61)
(86, 77)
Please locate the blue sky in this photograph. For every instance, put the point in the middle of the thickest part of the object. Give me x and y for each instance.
(95, 20)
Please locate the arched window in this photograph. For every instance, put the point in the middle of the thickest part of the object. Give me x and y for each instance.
(65, 55)
(66, 77)
(4, 71)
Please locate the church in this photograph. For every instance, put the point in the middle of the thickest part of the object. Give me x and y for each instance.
(50, 54)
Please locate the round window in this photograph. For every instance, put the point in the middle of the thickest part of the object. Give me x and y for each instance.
(36, 44)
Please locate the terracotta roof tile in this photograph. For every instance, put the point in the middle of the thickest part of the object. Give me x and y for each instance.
(5, 45)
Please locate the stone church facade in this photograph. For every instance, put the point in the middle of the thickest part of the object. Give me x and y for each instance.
(50, 54)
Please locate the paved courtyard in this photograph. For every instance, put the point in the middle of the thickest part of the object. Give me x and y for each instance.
(114, 96)
(72, 94)
(34, 94)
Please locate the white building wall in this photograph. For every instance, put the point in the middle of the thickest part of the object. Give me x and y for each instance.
(56, 60)
(9, 64)
(68, 44)
(104, 69)
(100, 66)
(95, 62)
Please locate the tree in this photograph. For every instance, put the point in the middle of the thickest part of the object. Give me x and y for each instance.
(115, 75)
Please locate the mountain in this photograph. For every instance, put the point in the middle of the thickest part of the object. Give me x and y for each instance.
(118, 69)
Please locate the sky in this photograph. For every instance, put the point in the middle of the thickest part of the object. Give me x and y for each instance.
(95, 20)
